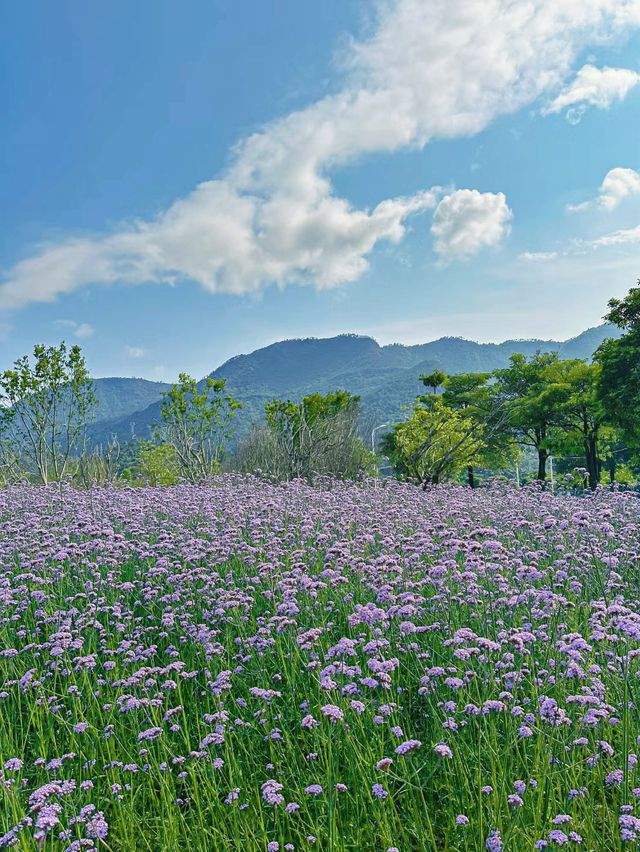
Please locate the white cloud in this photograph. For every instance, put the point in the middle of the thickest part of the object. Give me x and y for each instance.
(538, 256)
(466, 221)
(430, 69)
(596, 87)
(617, 185)
(579, 247)
(81, 330)
(84, 330)
(135, 351)
(626, 236)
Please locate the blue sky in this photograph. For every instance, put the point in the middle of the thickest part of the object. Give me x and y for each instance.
(406, 169)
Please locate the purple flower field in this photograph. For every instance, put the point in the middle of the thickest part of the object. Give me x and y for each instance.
(257, 667)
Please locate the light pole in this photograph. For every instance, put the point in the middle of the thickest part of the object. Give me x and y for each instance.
(373, 445)
(373, 435)
(553, 484)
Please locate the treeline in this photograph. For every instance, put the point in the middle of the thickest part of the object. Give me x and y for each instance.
(584, 417)
(46, 406)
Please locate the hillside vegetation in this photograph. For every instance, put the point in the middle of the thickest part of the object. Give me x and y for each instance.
(385, 377)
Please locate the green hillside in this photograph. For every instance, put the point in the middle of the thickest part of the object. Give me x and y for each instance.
(386, 377)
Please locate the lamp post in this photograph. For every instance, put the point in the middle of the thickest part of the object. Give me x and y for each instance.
(373, 435)
(373, 445)
(553, 484)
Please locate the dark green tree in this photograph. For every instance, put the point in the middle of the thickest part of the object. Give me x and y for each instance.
(476, 395)
(579, 413)
(525, 389)
(619, 360)
(433, 380)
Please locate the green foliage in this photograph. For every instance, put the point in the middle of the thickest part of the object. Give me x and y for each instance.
(318, 435)
(525, 391)
(433, 380)
(157, 464)
(196, 423)
(477, 396)
(625, 313)
(619, 360)
(385, 377)
(625, 475)
(435, 443)
(579, 414)
(45, 403)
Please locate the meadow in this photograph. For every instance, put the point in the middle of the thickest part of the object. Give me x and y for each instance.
(247, 666)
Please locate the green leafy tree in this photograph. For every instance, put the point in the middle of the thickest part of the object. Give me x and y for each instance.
(433, 380)
(619, 360)
(616, 456)
(45, 404)
(435, 443)
(526, 390)
(579, 412)
(157, 464)
(196, 419)
(476, 396)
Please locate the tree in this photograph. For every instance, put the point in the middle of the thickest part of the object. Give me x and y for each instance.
(45, 404)
(524, 389)
(433, 380)
(435, 443)
(619, 360)
(195, 422)
(318, 435)
(100, 464)
(158, 464)
(625, 313)
(260, 451)
(579, 412)
(11, 465)
(476, 396)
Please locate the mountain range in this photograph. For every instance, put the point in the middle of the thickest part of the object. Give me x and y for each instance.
(385, 377)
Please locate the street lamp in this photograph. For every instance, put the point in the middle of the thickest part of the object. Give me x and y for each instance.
(373, 445)
(373, 435)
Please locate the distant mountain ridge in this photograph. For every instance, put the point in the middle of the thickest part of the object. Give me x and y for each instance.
(385, 377)
(118, 397)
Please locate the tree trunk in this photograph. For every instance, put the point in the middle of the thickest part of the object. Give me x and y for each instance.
(611, 467)
(471, 476)
(543, 455)
(592, 461)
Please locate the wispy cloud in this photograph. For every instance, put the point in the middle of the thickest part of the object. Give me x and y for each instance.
(625, 236)
(593, 87)
(135, 351)
(430, 69)
(81, 330)
(538, 256)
